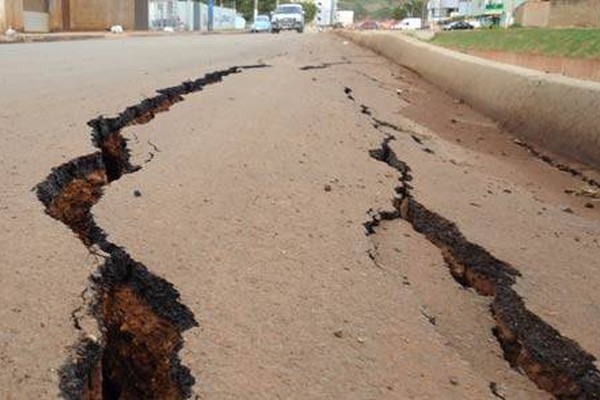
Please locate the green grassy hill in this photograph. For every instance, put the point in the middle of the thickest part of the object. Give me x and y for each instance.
(377, 9)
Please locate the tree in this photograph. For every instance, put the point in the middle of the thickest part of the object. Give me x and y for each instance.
(310, 11)
(399, 12)
(382, 13)
(246, 7)
(416, 8)
(360, 12)
(409, 8)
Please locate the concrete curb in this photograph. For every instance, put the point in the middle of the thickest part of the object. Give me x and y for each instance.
(558, 113)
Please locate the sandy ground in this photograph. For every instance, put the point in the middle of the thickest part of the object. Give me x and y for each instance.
(235, 213)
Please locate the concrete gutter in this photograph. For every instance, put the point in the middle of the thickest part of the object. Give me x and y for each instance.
(558, 113)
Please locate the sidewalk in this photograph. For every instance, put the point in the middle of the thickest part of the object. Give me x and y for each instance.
(52, 37)
(63, 36)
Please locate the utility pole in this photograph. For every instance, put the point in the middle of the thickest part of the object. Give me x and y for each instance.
(211, 14)
(508, 13)
(255, 10)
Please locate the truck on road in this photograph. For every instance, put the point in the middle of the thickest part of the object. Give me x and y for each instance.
(409, 24)
(288, 17)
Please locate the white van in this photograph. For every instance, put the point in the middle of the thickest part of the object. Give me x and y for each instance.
(409, 24)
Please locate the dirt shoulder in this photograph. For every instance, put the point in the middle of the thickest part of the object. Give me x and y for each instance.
(574, 68)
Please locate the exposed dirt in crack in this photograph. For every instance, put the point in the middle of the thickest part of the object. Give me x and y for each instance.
(143, 322)
(553, 362)
(377, 217)
(140, 316)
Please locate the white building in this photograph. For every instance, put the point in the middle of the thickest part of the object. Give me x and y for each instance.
(344, 17)
(326, 10)
(444, 9)
(438, 10)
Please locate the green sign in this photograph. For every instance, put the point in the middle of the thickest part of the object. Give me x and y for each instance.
(494, 7)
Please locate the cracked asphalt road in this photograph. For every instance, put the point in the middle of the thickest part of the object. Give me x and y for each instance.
(254, 209)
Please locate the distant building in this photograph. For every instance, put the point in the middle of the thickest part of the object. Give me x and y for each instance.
(100, 15)
(439, 10)
(559, 13)
(344, 17)
(72, 15)
(190, 16)
(326, 10)
(502, 10)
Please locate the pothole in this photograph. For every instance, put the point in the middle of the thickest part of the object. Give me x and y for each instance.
(553, 362)
(140, 316)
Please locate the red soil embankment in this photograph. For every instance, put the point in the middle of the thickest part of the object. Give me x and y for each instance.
(573, 67)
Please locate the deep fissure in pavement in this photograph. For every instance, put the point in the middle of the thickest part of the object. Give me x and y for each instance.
(324, 65)
(553, 362)
(140, 315)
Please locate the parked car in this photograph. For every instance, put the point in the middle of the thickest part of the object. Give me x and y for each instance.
(476, 23)
(408, 24)
(261, 24)
(369, 25)
(288, 17)
(457, 25)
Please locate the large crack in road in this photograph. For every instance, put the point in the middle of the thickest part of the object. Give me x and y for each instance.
(553, 362)
(140, 315)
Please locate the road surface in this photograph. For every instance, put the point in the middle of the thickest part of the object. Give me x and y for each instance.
(251, 201)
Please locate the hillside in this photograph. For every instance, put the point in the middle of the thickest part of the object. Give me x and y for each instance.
(376, 9)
